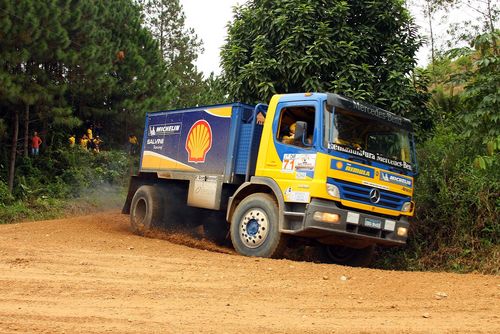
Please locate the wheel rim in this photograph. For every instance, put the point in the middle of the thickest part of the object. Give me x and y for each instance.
(254, 228)
(140, 213)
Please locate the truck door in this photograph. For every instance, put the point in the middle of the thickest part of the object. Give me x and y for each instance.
(291, 163)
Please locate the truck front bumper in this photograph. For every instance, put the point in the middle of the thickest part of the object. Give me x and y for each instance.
(352, 228)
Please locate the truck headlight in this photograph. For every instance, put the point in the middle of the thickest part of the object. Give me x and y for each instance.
(332, 190)
(407, 206)
(402, 232)
(326, 217)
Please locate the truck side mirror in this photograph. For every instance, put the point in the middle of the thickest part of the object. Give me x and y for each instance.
(300, 132)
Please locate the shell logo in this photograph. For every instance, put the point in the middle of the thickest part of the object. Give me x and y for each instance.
(199, 141)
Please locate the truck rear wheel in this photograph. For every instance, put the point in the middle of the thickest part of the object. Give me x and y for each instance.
(255, 227)
(347, 256)
(145, 209)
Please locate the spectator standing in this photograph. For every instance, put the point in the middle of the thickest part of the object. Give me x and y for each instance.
(133, 144)
(72, 141)
(97, 144)
(35, 144)
(84, 142)
(89, 133)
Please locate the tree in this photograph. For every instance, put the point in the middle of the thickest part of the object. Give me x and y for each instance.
(429, 8)
(210, 91)
(481, 118)
(179, 46)
(363, 49)
(483, 19)
(31, 35)
(68, 61)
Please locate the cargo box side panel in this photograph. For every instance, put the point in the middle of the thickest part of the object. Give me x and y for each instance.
(188, 140)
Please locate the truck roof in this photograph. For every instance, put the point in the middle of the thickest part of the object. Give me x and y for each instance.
(353, 105)
(203, 107)
(332, 100)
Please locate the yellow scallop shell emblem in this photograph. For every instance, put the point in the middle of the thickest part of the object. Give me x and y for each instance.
(199, 141)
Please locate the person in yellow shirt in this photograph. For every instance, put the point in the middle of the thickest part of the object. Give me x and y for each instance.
(133, 144)
(72, 141)
(84, 142)
(97, 144)
(89, 133)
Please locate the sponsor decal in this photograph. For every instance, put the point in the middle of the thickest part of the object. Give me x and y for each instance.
(155, 141)
(351, 168)
(199, 141)
(300, 163)
(374, 185)
(377, 112)
(369, 155)
(396, 179)
(165, 129)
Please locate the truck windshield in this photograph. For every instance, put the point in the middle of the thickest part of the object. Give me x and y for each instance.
(366, 137)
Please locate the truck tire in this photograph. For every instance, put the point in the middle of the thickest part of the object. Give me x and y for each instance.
(347, 256)
(255, 227)
(145, 210)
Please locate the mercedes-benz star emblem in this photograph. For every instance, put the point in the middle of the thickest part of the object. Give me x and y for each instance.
(374, 195)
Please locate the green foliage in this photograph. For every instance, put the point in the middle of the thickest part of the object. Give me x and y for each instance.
(362, 49)
(55, 180)
(458, 192)
(464, 223)
(211, 91)
(179, 46)
(75, 61)
(5, 195)
(456, 225)
(482, 94)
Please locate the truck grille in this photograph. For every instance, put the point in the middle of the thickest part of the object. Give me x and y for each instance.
(361, 193)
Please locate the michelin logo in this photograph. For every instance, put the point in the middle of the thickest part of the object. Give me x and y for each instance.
(165, 129)
(395, 179)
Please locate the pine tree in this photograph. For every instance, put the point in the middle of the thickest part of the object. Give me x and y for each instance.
(179, 46)
(67, 61)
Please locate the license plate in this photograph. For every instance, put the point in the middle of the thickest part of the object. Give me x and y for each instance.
(373, 223)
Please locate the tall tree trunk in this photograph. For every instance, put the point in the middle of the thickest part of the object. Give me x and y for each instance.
(430, 11)
(490, 18)
(26, 130)
(13, 151)
(45, 132)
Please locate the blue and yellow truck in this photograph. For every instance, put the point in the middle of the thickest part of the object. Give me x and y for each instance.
(313, 167)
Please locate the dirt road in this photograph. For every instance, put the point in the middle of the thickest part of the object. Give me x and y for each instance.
(91, 275)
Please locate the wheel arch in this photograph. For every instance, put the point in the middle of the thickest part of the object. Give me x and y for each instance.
(256, 185)
(151, 179)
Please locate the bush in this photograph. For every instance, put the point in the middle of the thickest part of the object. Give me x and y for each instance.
(456, 224)
(43, 184)
(5, 196)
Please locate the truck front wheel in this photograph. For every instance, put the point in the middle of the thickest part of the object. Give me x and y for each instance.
(145, 209)
(255, 227)
(347, 256)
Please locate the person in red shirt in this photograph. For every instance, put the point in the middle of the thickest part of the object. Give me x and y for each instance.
(35, 144)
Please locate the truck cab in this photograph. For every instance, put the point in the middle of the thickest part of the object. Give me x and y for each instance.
(322, 168)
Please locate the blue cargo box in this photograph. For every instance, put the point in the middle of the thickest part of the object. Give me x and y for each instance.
(218, 140)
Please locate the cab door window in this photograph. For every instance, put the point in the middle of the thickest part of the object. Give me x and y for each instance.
(289, 116)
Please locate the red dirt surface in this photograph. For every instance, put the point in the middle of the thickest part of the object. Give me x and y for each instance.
(92, 275)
